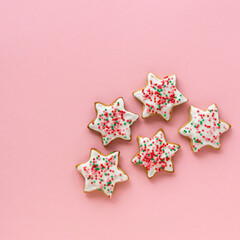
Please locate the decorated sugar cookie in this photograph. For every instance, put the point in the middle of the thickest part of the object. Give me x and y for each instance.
(155, 154)
(102, 172)
(160, 96)
(204, 128)
(113, 121)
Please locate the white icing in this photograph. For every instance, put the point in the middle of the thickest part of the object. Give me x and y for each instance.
(96, 167)
(122, 122)
(161, 153)
(158, 94)
(204, 128)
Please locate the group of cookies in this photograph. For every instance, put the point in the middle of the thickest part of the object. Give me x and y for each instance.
(113, 121)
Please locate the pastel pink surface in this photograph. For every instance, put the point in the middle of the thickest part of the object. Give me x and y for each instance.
(58, 58)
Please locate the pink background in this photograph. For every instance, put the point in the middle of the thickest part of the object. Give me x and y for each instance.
(56, 59)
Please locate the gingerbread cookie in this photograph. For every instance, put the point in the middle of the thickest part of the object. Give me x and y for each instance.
(160, 96)
(102, 172)
(155, 154)
(113, 121)
(204, 128)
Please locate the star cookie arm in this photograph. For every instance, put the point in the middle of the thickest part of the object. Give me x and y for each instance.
(138, 94)
(224, 126)
(114, 157)
(152, 77)
(173, 79)
(169, 167)
(99, 108)
(185, 130)
(213, 107)
(140, 140)
(94, 153)
(119, 103)
(179, 98)
(194, 111)
(145, 112)
(173, 148)
(85, 171)
(160, 134)
(151, 172)
(130, 117)
(196, 147)
(120, 176)
(136, 159)
(89, 187)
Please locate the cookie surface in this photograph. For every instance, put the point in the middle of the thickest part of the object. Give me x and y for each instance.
(155, 154)
(113, 121)
(160, 96)
(102, 172)
(204, 128)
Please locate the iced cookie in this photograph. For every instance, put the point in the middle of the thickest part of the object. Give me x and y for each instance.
(204, 128)
(113, 121)
(160, 96)
(155, 154)
(102, 172)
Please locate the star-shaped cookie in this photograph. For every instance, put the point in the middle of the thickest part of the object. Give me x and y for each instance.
(204, 128)
(113, 121)
(155, 154)
(160, 96)
(102, 172)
